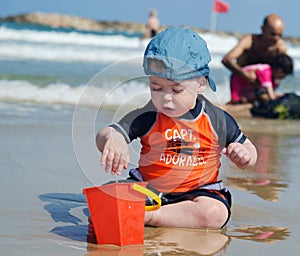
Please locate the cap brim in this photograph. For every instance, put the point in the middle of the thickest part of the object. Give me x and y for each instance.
(212, 84)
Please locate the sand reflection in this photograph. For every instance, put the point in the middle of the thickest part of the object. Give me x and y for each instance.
(268, 177)
(262, 234)
(170, 241)
(186, 241)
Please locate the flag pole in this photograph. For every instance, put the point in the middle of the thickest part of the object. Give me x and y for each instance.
(218, 7)
(213, 21)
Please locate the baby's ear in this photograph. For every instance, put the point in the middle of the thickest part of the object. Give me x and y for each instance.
(202, 83)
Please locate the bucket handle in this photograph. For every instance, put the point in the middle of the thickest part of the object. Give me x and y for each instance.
(150, 194)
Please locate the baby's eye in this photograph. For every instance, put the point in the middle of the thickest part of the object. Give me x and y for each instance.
(156, 89)
(178, 90)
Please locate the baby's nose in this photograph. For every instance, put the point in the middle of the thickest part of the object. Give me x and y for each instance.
(168, 97)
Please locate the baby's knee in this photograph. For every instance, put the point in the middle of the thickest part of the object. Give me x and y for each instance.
(214, 216)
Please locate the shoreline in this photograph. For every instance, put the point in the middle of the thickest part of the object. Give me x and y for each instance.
(47, 177)
(58, 20)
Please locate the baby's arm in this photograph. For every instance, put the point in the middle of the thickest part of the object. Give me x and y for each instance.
(115, 151)
(243, 155)
(271, 93)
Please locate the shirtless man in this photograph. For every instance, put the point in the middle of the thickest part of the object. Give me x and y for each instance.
(153, 25)
(257, 48)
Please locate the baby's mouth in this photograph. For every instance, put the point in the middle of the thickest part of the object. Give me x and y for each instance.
(168, 107)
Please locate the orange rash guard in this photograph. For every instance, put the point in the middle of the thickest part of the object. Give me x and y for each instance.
(180, 154)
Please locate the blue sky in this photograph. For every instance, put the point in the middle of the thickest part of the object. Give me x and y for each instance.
(245, 16)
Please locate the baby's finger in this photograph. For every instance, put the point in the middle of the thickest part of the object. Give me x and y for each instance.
(116, 163)
(109, 161)
(123, 164)
(105, 153)
(224, 151)
(127, 161)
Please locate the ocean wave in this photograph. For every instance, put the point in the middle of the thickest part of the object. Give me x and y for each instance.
(67, 46)
(73, 38)
(64, 53)
(19, 44)
(112, 95)
(75, 53)
(95, 94)
(49, 57)
(21, 91)
(75, 46)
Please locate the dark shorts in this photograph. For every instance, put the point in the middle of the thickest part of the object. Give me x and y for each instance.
(221, 193)
(153, 33)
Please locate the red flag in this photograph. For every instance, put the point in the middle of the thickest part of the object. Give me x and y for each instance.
(220, 6)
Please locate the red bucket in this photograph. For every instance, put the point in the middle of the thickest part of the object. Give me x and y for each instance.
(117, 212)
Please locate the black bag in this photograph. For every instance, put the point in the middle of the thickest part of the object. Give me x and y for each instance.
(285, 107)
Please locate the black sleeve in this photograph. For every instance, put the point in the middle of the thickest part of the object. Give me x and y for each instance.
(137, 122)
(234, 134)
(224, 124)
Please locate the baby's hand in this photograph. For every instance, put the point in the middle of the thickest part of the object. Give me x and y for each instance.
(115, 158)
(115, 151)
(238, 153)
(250, 76)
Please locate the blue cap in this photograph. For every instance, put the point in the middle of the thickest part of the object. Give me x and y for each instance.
(183, 55)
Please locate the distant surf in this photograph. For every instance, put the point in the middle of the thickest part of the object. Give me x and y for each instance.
(48, 65)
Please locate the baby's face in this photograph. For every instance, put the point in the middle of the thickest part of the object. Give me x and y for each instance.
(175, 98)
(278, 74)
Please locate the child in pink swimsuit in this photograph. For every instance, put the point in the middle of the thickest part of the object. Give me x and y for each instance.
(268, 78)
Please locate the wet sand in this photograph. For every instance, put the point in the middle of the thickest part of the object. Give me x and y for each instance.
(44, 172)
